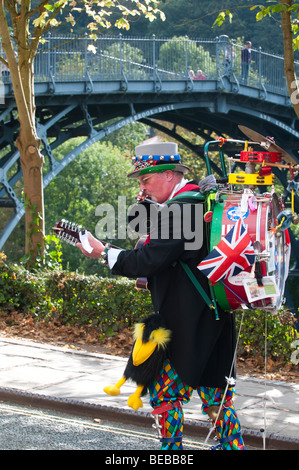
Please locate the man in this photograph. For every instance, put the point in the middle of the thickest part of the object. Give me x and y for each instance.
(245, 61)
(201, 350)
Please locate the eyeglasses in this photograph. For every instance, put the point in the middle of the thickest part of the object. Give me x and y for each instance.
(143, 180)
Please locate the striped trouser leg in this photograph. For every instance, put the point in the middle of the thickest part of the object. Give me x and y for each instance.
(227, 426)
(167, 393)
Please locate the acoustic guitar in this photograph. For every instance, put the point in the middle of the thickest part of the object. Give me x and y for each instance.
(72, 233)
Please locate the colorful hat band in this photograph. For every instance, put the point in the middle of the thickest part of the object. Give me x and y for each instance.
(159, 158)
(155, 163)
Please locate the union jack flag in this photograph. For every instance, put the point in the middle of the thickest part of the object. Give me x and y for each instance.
(233, 254)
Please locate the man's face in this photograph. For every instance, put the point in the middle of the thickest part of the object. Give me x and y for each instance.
(158, 186)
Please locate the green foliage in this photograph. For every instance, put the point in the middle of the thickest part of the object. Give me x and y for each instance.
(92, 300)
(53, 253)
(184, 55)
(196, 18)
(72, 298)
(270, 11)
(122, 56)
(222, 16)
(22, 290)
(127, 137)
(281, 333)
(97, 176)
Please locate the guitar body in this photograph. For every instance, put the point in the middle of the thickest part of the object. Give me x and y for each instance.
(141, 282)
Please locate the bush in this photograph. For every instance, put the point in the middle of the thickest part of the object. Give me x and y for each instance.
(72, 298)
(92, 300)
(21, 289)
(281, 333)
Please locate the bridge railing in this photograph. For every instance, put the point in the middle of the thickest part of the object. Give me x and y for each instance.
(151, 58)
(112, 58)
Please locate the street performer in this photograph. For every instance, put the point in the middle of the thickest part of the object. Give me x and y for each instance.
(201, 350)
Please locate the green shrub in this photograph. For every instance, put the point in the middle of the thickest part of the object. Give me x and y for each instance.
(92, 300)
(22, 290)
(280, 328)
(72, 298)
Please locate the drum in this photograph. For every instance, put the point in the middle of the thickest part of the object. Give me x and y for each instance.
(272, 249)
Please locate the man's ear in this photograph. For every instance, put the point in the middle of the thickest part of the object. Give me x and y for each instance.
(169, 175)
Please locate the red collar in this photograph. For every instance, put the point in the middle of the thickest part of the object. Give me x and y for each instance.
(187, 187)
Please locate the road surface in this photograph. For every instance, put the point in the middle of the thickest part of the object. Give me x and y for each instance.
(27, 428)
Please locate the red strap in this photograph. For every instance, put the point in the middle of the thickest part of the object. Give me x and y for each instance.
(147, 240)
(187, 187)
(227, 404)
(163, 408)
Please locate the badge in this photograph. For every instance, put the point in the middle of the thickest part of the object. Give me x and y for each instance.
(233, 214)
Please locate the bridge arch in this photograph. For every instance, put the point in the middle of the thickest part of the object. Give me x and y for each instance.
(195, 116)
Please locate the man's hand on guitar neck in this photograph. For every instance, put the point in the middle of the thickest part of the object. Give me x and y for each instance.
(96, 246)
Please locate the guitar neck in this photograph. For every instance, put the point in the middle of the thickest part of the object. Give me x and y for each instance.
(71, 233)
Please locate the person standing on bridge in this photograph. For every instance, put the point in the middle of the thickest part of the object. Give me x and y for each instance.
(201, 350)
(200, 75)
(245, 61)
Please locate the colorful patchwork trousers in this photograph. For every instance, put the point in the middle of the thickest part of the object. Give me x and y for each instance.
(167, 396)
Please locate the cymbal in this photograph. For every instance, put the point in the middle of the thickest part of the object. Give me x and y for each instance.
(267, 144)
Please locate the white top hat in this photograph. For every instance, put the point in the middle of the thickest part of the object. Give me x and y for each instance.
(156, 157)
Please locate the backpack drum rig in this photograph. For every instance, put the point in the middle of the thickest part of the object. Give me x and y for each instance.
(264, 215)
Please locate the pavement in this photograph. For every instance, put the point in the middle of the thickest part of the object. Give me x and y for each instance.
(72, 381)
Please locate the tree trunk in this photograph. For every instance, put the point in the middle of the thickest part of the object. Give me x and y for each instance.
(289, 55)
(21, 72)
(32, 162)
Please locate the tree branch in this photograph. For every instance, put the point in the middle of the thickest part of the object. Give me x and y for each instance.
(38, 7)
(40, 31)
(23, 111)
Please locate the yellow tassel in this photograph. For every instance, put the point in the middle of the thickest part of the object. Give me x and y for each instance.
(138, 331)
(161, 337)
